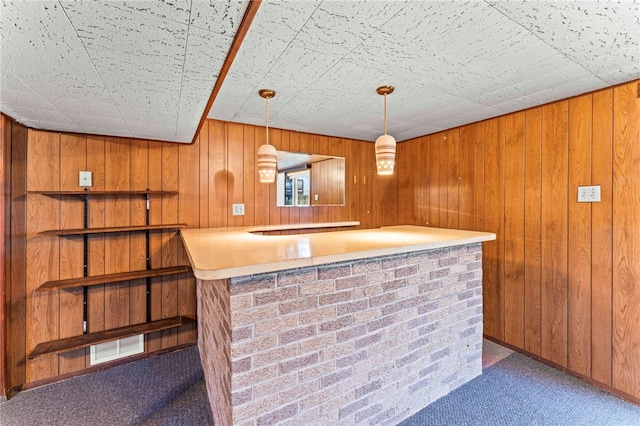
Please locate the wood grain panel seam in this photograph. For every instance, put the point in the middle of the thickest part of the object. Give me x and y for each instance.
(611, 300)
(611, 296)
(502, 270)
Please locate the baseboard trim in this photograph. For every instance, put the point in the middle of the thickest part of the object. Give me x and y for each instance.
(605, 387)
(96, 368)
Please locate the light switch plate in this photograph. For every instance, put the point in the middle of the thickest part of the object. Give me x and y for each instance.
(85, 178)
(589, 194)
(238, 209)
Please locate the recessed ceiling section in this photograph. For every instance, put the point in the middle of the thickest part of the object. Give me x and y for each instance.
(451, 63)
(141, 69)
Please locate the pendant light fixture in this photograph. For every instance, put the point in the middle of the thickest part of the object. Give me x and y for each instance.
(267, 155)
(385, 144)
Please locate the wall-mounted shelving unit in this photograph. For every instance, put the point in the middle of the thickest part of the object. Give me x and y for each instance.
(89, 339)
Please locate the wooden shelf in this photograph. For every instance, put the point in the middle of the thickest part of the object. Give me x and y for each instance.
(85, 231)
(89, 339)
(111, 278)
(103, 193)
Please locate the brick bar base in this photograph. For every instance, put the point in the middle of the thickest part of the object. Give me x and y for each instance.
(361, 342)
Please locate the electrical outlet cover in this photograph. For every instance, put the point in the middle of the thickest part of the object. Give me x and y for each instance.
(589, 194)
(85, 178)
(238, 209)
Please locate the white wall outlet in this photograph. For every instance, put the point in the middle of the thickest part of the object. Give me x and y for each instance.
(238, 209)
(589, 194)
(85, 179)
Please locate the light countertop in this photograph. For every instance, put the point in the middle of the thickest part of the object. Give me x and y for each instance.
(217, 253)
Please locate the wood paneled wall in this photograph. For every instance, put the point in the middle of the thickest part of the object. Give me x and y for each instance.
(210, 175)
(328, 182)
(12, 297)
(5, 203)
(562, 280)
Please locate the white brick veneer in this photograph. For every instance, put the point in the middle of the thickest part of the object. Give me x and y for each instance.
(361, 342)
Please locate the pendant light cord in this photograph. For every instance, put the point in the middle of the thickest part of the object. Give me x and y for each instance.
(385, 114)
(267, 119)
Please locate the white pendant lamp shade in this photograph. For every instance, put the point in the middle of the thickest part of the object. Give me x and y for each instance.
(267, 156)
(267, 163)
(385, 144)
(385, 154)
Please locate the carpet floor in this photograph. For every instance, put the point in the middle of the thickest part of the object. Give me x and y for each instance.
(520, 391)
(170, 390)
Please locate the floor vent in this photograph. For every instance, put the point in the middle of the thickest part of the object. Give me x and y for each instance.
(117, 349)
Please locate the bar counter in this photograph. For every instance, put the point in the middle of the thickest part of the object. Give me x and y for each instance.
(347, 327)
(231, 252)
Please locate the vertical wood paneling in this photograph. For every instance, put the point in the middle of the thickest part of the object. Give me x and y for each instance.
(554, 232)
(188, 197)
(538, 225)
(306, 146)
(170, 238)
(602, 237)
(434, 180)
(493, 256)
(249, 178)
(15, 287)
(43, 261)
(453, 180)
(407, 205)
(330, 191)
(294, 146)
(5, 246)
(467, 178)
(275, 136)
(123, 164)
(137, 240)
(514, 260)
(235, 175)
(203, 182)
(74, 150)
(533, 231)
(626, 244)
(117, 247)
(443, 154)
(96, 243)
(340, 149)
(579, 266)
(322, 146)
(353, 180)
(262, 192)
(284, 146)
(370, 188)
(218, 176)
(419, 175)
(478, 199)
(366, 157)
(154, 340)
(378, 187)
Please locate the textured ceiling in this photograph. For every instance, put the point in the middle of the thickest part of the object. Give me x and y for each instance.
(146, 68)
(451, 62)
(125, 68)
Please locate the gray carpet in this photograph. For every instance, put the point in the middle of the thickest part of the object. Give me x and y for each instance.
(169, 390)
(163, 390)
(520, 391)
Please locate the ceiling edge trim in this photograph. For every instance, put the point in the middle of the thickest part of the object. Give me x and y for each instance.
(243, 29)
